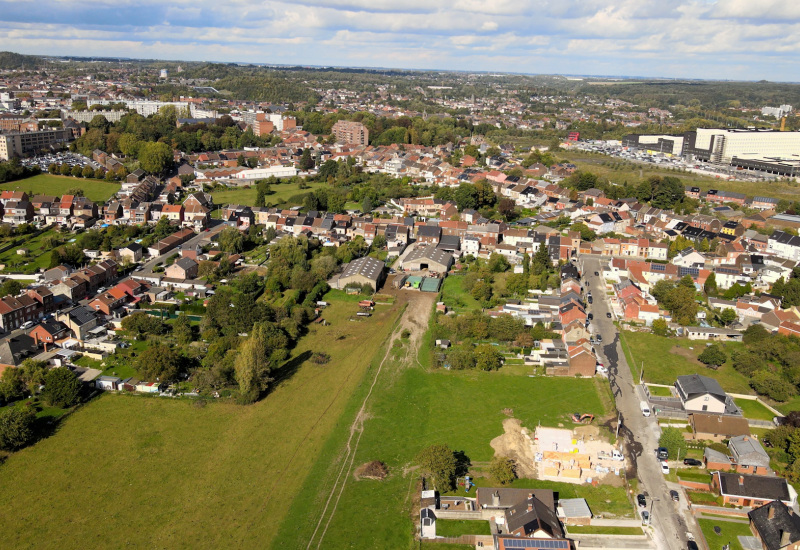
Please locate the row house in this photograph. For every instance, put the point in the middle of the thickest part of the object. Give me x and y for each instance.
(17, 212)
(172, 241)
(16, 311)
(784, 245)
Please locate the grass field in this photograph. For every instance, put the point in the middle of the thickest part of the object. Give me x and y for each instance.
(47, 184)
(458, 527)
(659, 391)
(753, 409)
(138, 471)
(595, 530)
(412, 408)
(729, 532)
(283, 191)
(38, 256)
(594, 163)
(666, 358)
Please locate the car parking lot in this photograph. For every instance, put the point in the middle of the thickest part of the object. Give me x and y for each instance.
(70, 159)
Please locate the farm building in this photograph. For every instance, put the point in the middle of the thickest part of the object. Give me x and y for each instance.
(428, 257)
(362, 271)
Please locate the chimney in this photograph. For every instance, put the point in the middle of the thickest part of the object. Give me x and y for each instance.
(771, 512)
(496, 498)
(741, 481)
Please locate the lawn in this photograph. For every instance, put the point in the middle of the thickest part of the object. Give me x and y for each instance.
(701, 476)
(667, 358)
(169, 473)
(458, 527)
(38, 255)
(703, 497)
(455, 297)
(282, 193)
(729, 532)
(595, 530)
(754, 409)
(660, 391)
(411, 408)
(46, 184)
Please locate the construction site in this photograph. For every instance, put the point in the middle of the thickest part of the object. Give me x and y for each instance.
(577, 455)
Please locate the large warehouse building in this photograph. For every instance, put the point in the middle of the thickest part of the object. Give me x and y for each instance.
(754, 149)
(428, 257)
(363, 271)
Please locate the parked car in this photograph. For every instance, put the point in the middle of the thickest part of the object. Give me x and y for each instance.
(590, 316)
(645, 517)
(608, 314)
(662, 453)
(692, 462)
(673, 494)
(599, 337)
(596, 273)
(664, 467)
(640, 498)
(27, 325)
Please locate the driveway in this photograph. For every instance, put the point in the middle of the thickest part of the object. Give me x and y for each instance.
(639, 433)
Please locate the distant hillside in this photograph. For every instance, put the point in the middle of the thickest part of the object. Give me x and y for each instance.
(11, 60)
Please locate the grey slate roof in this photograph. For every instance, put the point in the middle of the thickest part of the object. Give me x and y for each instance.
(782, 527)
(694, 384)
(753, 486)
(747, 450)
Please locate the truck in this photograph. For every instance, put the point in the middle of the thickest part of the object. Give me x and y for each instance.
(645, 408)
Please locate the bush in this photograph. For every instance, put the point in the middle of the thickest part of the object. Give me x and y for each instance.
(16, 427)
(320, 358)
(406, 334)
(61, 387)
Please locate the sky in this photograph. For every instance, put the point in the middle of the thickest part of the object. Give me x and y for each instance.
(722, 39)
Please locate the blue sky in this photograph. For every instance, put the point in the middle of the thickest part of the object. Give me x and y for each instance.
(723, 39)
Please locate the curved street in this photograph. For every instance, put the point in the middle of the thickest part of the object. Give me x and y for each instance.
(670, 520)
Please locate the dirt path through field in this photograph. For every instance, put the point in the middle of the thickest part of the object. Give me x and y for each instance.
(415, 319)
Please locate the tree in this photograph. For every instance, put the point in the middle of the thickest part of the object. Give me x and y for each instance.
(159, 363)
(306, 161)
(88, 171)
(16, 427)
(76, 171)
(727, 316)
(507, 208)
(155, 157)
(254, 363)
(466, 196)
(672, 439)
(142, 323)
(61, 387)
(710, 286)
(12, 385)
(10, 287)
(498, 263)
(482, 291)
(439, 463)
(487, 358)
(182, 330)
(503, 470)
(231, 240)
(713, 356)
(772, 385)
(541, 260)
(660, 327)
(33, 374)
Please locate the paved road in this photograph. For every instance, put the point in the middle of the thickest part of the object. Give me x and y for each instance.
(639, 433)
(215, 226)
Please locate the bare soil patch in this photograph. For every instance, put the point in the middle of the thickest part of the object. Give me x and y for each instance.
(515, 444)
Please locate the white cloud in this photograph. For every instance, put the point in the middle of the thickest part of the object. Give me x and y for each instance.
(644, 37)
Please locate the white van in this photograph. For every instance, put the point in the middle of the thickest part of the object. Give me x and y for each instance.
(645, 408)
